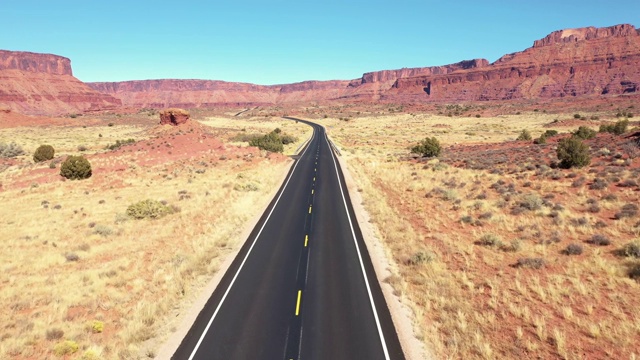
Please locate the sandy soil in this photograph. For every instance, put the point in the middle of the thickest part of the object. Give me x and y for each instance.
(120, 295)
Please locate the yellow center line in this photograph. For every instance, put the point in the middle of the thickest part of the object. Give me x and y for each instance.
(311, 191)
(309, 209)
(314, 178)
(298, 303)
(306, 240)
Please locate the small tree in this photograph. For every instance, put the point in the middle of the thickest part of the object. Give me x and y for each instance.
(43, 153)
(429, 147)
(619, 128)
(76, 168)
(524, 135)
(585, 133)
(572, 152)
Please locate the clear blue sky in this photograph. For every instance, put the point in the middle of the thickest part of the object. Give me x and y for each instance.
(281, 41)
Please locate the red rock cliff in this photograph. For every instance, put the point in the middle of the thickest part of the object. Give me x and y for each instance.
(574, 62)
(43, 84)
(393, 75)
(33, 62)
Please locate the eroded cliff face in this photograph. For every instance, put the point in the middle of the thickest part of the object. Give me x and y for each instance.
(34, 62)
(393, 75)
(574, 62)
(203, 93)
(185, 93)
(43, 84)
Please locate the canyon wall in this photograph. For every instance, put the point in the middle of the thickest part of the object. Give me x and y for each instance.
(43, 84)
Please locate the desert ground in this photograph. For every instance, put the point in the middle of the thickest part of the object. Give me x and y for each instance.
(80, 278)
(497, 253)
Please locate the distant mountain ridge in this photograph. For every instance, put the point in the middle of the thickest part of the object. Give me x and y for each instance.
(571, 62)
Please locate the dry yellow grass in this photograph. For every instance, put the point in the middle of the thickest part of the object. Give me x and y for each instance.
(469, 300)
(262, 125)
(75, 268)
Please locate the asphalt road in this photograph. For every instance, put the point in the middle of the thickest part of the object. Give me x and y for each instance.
(302, 286)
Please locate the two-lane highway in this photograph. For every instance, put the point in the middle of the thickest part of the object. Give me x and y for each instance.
(302, 287)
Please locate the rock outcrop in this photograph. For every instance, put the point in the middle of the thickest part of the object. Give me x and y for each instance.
(34, 62)
(174, 116)
(393, 75)
(43, 84)
(574, 62)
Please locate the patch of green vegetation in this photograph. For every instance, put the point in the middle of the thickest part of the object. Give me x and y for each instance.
(43, 153)
(120, 143)
(149, 209)
(76, 168)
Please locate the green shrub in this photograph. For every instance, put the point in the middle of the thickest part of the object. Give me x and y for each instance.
(148, 209)
(573, 249)
(634, 271)
(90, 355)
(97, 326)
(270, 142)
(244, 137)
(631, 249)
(585, 133)
(288, 139)
(420, 257)
(524, 135)
(619, 128)
(54, 334)
(490, 240)
(572, 152)
(273, 141)
(428, 147)
(530, 202)
(10, 150)
(119, 144)
(65, 348)
(531, 263)
(541, 140)
(577, 116)
(76, 168)
(43, 153)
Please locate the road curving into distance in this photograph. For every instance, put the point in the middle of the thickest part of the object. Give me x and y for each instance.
(302, 286)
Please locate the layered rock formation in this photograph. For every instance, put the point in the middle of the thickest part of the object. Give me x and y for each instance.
(574, 62)
(204, 93)
(174, 116)
(43, 84)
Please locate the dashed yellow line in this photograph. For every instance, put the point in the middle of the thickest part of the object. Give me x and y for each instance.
(298, 302)
(311, 191)
(309, 209)
(314, 178)
(306, 240)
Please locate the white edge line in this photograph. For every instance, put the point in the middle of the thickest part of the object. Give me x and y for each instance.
(364, 273)
(206, 329)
